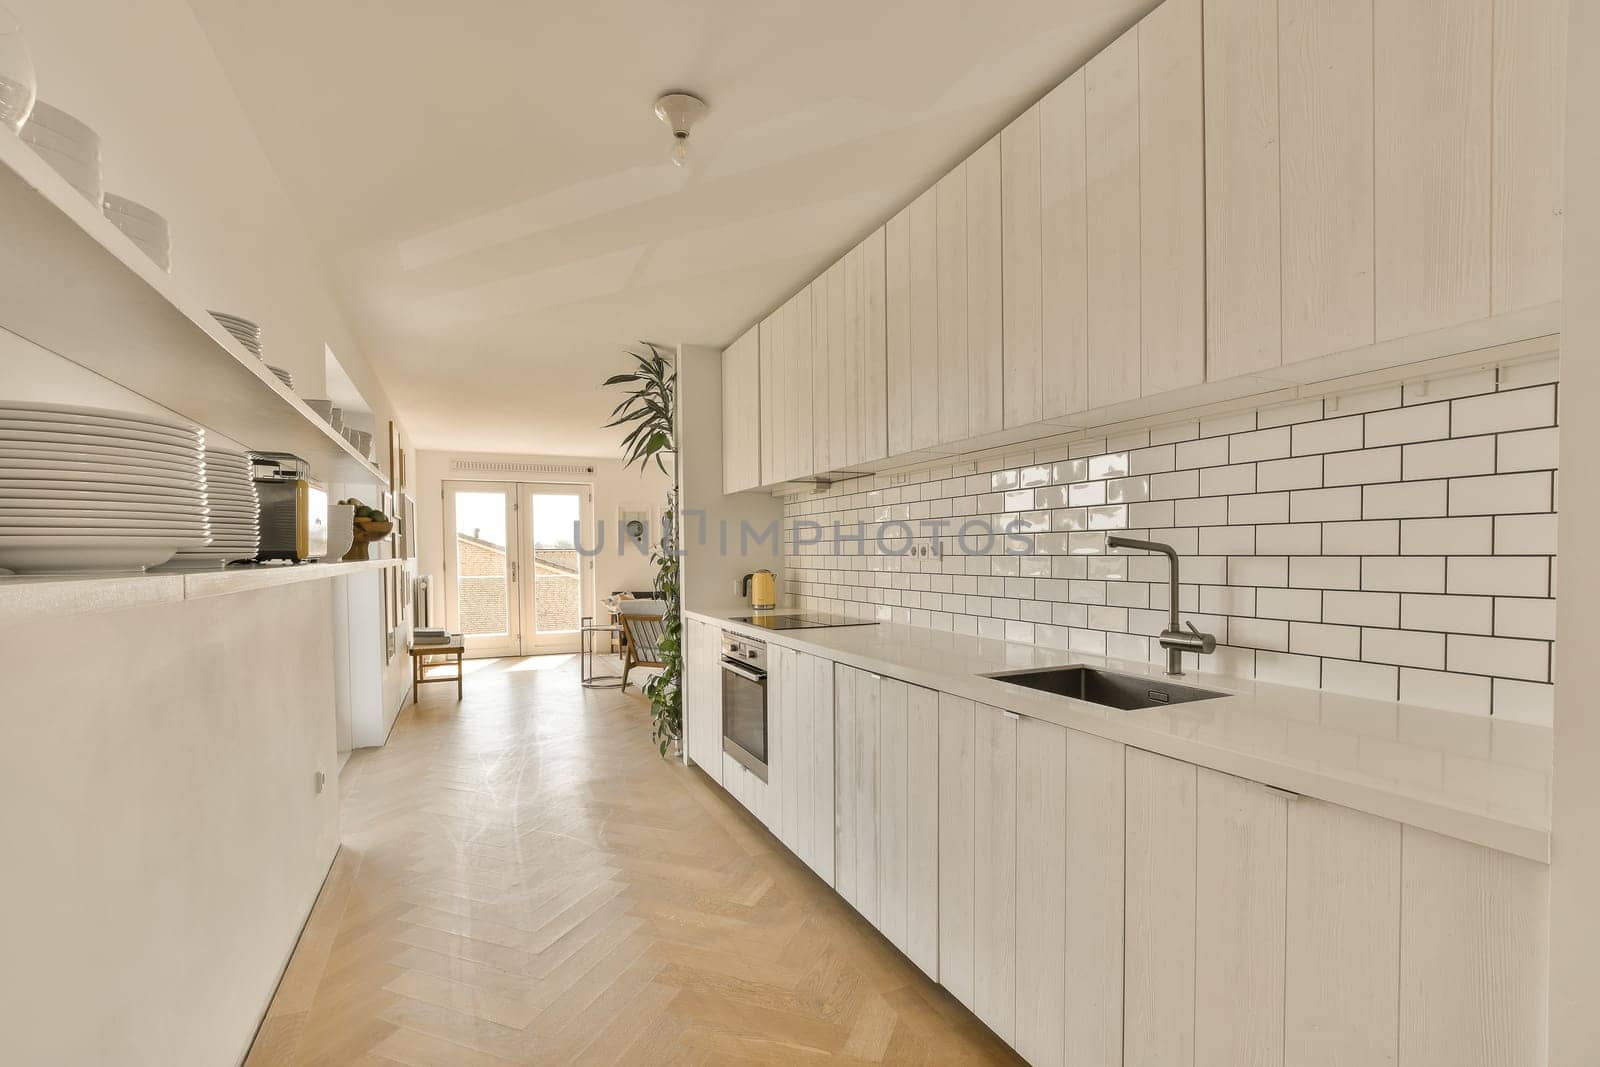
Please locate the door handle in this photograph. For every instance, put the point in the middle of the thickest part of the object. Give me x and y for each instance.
(513, 570)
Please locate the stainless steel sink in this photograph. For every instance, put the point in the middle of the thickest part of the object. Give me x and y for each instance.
(1128, 692)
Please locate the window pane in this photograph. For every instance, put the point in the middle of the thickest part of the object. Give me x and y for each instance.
(557, 577)
(481, 572)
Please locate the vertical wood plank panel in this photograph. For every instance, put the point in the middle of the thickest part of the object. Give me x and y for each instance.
(1172, 208)
(897, 324)
(1342, 964)
(800, 456)
(872, 432)
(741, 399)
(922, 829)
(866, 803)
(1243, 282)
(1064, 250)
(821, 376)
(793, 754)
(1431, 78)
(823, 769)
(1241, 865)
(1111, 122)
(846, 740)
(923, 239)
(892, 811)
(951, 278)
(1530, 96)
(1474, 955)
(855, 343)
(1094, 901)
(1041, 941)
(840, 403)
(985, 328)
(1325, 123)
(957, 799)
(995, 865)
(1160, 912)
(771, 398)
(805, 708)
(1022, 279)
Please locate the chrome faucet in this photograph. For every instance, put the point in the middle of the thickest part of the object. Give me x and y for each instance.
(1174, 638)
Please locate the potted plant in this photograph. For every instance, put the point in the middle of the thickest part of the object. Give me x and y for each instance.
(649, 411)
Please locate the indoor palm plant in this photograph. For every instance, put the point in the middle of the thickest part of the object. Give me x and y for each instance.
(649, 411)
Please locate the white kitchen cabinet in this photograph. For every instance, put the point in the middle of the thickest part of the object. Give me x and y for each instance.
(845, 793)
(1022, 269)
(1159, 911)
(821, 374)
(921, 830)
(985, 325)
(1529, 110)
(1243, 279)
(1041, 917)
(1432, 144)
(741, 413)
(775, 428)
(783, 759)
(702, 695)
(958, 776)
(786, 391)
(898, 317)
(950, 281)
(1111, 123)
(994, 894)
(1063, 251)
(870, 440)
(840, 398)
(800, 463)
(864, 779)
(1325, 122)
(817, 834)
(1172, 238)
(1096, 799)
(911, 293)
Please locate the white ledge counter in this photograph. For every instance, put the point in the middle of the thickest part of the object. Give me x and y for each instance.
(1473, 778)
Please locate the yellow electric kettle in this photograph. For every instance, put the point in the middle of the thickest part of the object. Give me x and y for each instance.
(762, 589)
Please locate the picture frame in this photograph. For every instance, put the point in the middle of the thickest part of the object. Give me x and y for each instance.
(634, 528)
(409, 508)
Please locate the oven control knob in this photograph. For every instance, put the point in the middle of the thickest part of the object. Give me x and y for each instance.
(750, 654)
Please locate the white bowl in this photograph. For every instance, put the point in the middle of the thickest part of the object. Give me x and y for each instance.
(24, 409)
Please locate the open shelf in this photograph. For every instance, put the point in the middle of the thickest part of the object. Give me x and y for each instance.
(72, 283)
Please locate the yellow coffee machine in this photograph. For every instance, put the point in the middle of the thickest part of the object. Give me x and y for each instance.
(762, 589)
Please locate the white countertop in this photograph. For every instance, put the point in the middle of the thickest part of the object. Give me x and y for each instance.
(23, 599)
(1470, 777)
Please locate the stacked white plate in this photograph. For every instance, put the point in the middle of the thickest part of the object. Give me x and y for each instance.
(87, 490)
(144, 228)
(283, 376)
(235, 515)
(69, 146)
(244, 331)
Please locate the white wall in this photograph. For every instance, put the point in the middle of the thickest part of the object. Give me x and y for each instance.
(1575, 843)
(615, 486)
(712, 566)
(163, 838)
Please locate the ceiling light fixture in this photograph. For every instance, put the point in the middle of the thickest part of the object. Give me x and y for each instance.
(680, 111)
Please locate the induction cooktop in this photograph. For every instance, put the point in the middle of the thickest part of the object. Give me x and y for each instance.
(800, 622)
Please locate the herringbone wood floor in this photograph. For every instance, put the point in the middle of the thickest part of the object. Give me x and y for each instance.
(524, 881)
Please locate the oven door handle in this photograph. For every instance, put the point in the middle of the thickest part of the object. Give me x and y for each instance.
(744, 672)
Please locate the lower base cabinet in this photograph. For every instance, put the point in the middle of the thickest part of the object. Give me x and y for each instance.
(1099, 904)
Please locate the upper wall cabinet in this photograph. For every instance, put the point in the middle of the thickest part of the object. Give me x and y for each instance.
(742, 408)
(911, 294)
(786, 391)
(1376, 171)
(1111, 122)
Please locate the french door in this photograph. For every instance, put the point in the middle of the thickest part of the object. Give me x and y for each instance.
(516, 582)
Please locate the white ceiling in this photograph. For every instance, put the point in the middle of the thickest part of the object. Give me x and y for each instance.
(492, 192)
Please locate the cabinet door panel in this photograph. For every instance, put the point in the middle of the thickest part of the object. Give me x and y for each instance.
(791, 756)
(1529, 110)
(951, 278)
(840, 402)
(872, 441)
(1325, 123)
(805, 706)
(771, 399)
(1431, 65)
(995, 868)
(1342, 960)
(855, 340)
(1041, 892)
(845, 741)
(821, 375)
(897, 301)
(957, 798)
(798, 458)
(1094, 925)
(923, 239)
(1064, 250)
(1172, 238)
(922, 829)
(1022, 272)
(1240, 872)
(985, 342)
(892, 811)
(1474, 954)
(866, 800)
(1160, 917)
(1244, 333)
(1111, 118)
(822, 769)
(741, 407)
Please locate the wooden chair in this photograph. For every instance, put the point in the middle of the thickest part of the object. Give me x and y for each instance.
(642, 626)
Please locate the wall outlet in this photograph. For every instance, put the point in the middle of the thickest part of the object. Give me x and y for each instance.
(925, 548)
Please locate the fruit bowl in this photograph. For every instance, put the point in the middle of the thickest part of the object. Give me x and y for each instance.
(366, 532)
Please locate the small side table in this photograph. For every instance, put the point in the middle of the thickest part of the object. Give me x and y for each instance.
(456, 646)
(587, 629)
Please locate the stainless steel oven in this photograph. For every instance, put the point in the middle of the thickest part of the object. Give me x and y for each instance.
(744, 702)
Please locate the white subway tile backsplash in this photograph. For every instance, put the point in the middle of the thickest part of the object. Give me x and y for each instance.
(1343, 541)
